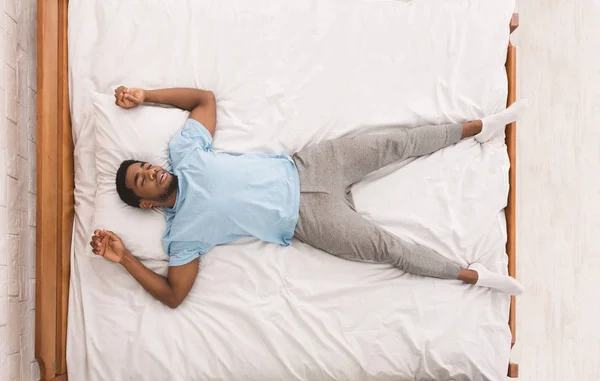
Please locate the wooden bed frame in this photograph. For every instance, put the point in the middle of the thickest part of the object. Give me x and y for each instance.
(55, 184)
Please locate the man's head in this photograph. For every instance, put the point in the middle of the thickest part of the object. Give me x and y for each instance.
(143, 185)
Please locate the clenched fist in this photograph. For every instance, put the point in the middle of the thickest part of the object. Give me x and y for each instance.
(108, 245)
(129, 98)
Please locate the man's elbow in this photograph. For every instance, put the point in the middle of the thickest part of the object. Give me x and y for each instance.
(173, 305)
(174, 302)
(210, 98)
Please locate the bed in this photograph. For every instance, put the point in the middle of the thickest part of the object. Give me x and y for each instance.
(350, 321)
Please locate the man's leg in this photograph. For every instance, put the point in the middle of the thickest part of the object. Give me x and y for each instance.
(495, 123)
(327, 223)
(342, 162)
(361, 155)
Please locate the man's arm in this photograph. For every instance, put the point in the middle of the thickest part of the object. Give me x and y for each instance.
(171, 290)
(201, 103)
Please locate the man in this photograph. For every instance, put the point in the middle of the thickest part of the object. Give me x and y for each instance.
(212, 198)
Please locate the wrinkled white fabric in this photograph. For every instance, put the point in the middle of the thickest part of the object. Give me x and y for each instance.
(286, 75)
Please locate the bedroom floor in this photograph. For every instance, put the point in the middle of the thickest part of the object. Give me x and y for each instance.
(559, 184)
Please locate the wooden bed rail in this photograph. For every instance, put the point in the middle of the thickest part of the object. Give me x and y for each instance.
(511, 206)
(55, 184)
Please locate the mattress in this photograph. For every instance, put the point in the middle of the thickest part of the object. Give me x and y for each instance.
(288, 75)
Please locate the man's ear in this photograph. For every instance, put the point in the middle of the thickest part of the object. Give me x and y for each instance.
(145, 204)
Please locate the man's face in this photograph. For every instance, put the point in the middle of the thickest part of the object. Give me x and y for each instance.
(150, 182)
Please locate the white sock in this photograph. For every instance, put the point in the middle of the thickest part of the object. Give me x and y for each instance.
(494, 123)
(498, 282)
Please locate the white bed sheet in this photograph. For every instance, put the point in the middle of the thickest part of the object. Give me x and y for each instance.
(287, 75)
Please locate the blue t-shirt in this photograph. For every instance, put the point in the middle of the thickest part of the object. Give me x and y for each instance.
(223, 196)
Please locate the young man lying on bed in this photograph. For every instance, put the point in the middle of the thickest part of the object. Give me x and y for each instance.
(212, 198)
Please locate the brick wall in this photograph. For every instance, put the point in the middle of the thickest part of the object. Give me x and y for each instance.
(17, 189)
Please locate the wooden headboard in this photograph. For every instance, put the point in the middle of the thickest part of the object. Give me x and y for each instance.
(55, 186)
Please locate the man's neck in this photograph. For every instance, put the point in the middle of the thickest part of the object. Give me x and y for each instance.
(170, 201)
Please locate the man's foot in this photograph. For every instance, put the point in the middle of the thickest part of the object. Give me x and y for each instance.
(499, 282)
(494, 123)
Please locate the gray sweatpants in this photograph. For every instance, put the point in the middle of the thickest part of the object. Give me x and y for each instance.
(328, 220)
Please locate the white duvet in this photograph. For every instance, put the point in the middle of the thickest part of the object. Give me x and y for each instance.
(287, 75)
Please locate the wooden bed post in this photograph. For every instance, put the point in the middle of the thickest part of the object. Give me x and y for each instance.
(55, 184)
(510, 211)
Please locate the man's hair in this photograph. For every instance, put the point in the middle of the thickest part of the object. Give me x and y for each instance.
(126, 194)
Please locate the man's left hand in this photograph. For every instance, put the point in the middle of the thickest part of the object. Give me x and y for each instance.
(128, 98)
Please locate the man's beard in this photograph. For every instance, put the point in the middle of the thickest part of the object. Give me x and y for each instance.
(171, 189)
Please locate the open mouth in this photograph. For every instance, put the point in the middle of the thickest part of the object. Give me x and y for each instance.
(162, 178)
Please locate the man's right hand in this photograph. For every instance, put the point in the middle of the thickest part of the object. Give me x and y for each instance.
(108, 245)
(170, 290)
(128, 98)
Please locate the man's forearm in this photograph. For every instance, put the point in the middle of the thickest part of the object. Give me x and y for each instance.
(157, 285)
(183, 98)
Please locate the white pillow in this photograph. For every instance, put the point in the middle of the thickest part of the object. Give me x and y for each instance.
(142, 133)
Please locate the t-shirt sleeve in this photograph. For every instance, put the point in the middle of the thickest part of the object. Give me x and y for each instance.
(181, 253)
(193, 135)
